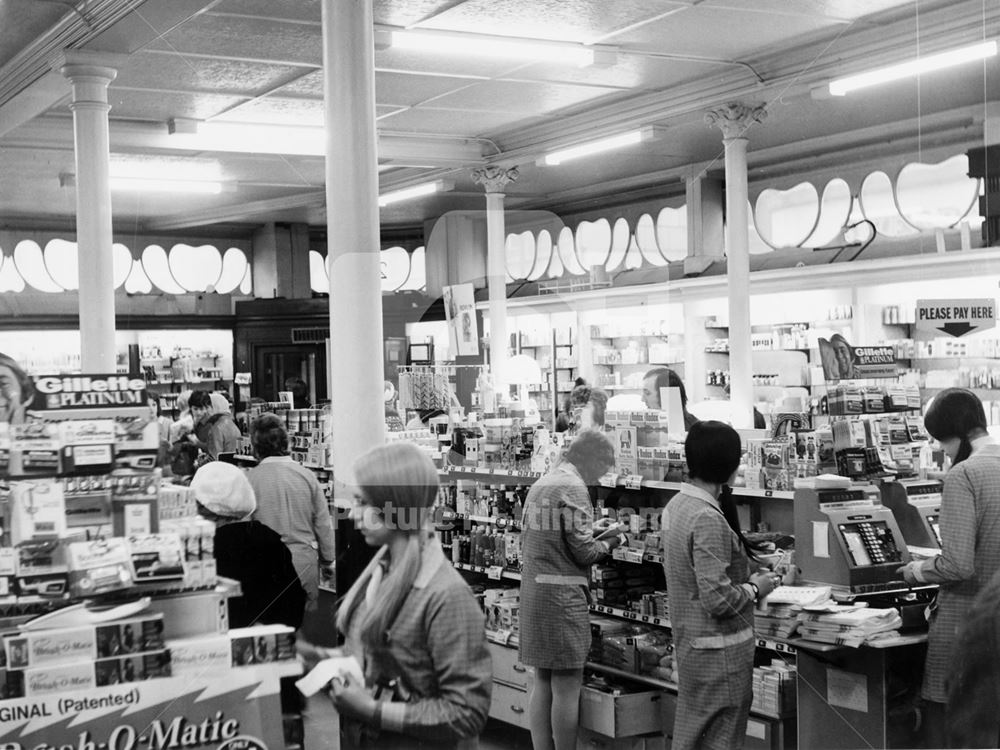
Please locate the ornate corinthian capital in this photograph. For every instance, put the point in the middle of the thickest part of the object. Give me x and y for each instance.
(494, 179)
(735, 118)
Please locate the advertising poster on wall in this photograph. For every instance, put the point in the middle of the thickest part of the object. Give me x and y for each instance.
(841, 361)
(239, 711)
(460, 312)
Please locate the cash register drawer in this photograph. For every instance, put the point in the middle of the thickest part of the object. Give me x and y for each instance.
(507, 668)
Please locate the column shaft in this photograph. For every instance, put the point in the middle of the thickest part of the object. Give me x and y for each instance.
(496, 276)
(738, 276)
(353, 234)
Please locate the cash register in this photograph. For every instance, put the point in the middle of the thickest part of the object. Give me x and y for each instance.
(916, 504)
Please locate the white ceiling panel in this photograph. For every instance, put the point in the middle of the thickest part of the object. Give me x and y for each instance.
(291, 10)
(628, 72)
(172, 71)
(452, 122)
(516, 96)
(278, 111)
(408, 12)
(160, 106)
(839, 10)
(409, 90)
(440, 63)
(246, 38)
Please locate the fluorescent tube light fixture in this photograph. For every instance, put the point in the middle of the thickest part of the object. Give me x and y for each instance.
(911, 68)
(632, 137)
(483, 45)
(405, 194)
(156, 185)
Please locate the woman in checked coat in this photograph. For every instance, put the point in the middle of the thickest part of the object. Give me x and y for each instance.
(559, 545)
(970, 539)
(712, 594)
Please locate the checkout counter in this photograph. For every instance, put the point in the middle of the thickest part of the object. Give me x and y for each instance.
(859, 697)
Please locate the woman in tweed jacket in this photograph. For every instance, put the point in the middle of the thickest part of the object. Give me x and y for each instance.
(712, 594)
(970, 538)
(558, 546)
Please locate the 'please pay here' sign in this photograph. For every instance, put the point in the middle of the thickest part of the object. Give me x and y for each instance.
(956, 317)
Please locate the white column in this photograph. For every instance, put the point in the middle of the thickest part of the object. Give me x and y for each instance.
(352, 219)
(495, 180)
(733, 120)
(89, 73)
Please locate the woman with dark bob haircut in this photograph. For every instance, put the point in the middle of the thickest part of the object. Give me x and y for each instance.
(970, 539)
(712, 592)
(559, 545)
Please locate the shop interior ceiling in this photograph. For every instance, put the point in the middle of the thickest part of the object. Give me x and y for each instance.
(440, 116)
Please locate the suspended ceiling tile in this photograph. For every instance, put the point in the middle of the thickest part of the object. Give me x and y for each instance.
(158, 106)
(247, 38)
(843, 10)
(292, 10)
(408, 90)
(527, 97)
(440, 63)
(308, 87)
(628, 72)
(452, 122)
(569, 20)
(722, 32)
(279, 111)
(408, 12)
(22, 22)
(173, 71)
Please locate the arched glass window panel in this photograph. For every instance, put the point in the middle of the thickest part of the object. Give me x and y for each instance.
(879, 206)
(246, 286)
(157, 268)
(318, 279)
(786, 218)
(645, 239)
(122, 260)
(62, 263)
(195, 268)
(672, 233)
(417, 280)
(936, 196)
(521, 250)
(31, 266)
(137, 281)
(567, 252)
(834, 213)
(593, 243)
(621, 237)
(234, 267)
(10, 279)
(394, 263)
(543, 255)
(556, 269)
(633, 258)
(755, 243)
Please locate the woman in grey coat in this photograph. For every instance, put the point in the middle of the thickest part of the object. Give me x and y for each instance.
(970, 539)
(558, 547)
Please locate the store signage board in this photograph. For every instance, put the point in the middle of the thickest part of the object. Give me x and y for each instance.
(956, 317)
(237, 711)
(841, 361)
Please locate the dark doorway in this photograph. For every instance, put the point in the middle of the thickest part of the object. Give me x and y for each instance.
(275, 364)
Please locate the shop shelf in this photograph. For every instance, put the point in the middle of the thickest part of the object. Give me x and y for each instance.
(510, 575)
(503, 476)
(627, 614)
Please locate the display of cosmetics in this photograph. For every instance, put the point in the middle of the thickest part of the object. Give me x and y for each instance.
(494, 501)
(655, 605)
(484, 547)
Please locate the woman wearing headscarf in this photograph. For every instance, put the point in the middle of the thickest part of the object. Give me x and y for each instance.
(970, 539)
(410, 619)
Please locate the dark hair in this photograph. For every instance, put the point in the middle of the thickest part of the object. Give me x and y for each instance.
(269, 436)
(426, 415)
(590, 451)
(713, 451)
(24, 380)
(956, 413)
(667, 378)
(200, 400)
(581, 395)
(296, 385)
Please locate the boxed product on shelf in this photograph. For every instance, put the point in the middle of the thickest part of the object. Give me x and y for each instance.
(618, 711)
(156, 557)
(36, 509)
(258, 644)
(135, 501)
(86, 642)
(8, 570)
(774, 688)
(87, 675)
(175, 501)
(88, 445)
(98, 566)
(34, 449)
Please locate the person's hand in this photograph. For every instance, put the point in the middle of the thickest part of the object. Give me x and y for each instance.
(311, 654)
(908, 574)
(765, 581)
(616, 541)
(352, 700)
(601, 525)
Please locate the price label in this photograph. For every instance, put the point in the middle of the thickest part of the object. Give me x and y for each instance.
(494, 572)
(500, 522)
(608, 480)
(633, 481)
(768, 493)
(448, 515)
(645, 618)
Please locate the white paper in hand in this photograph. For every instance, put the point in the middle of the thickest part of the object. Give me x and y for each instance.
(344, 667)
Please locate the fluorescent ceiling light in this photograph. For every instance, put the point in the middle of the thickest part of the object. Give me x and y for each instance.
(154, 185)
(482, 45)
(916, 67)
(416, 191)
(218, 135)
(632, 137)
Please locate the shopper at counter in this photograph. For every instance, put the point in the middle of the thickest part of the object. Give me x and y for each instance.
(558, 547)
(215, 430)
(711, 592)
(585, 408)
(247, 550)
(970, 538)
(410, 619)
(664, 377)
(290, 501)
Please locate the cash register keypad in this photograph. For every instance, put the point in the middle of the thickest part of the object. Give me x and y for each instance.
(877, 541)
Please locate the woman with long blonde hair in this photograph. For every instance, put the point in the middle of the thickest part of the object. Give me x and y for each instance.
(410, 618)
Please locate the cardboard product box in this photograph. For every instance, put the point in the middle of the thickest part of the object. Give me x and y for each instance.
(60, 678)
(87, 445)
(626, 456)
(615, 713)
(135, 502)
(36, 509)
(99, 566)
(590, 740)
(157, 557)
(262, 644)
(85, 643)
(34, 449)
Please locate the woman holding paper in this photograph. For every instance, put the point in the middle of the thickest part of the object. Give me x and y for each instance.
(410, 619)
(559, 543)
(970, 538)
(712, 592)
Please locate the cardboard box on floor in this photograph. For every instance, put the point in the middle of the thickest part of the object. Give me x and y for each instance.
(589, 740)
(621, 714)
